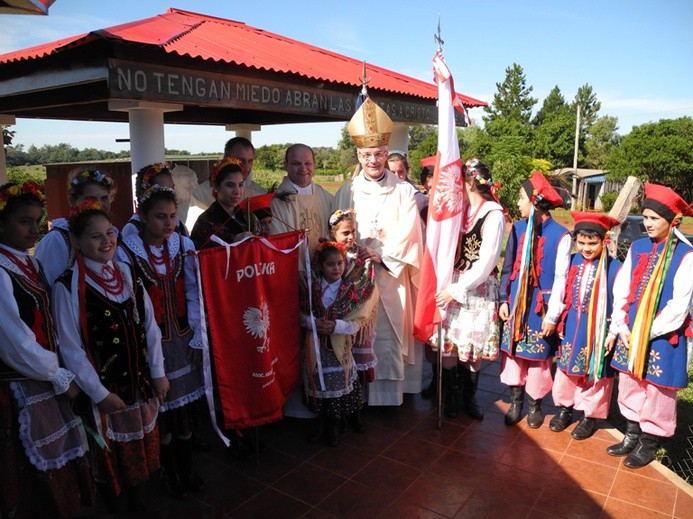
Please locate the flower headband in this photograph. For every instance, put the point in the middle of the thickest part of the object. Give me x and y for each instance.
(339, 215)
(218, 166)
(326, 244)
(14, 190)
(472, 166)
(90, 204)
(156, 188)
(92, 175)
(151, 171)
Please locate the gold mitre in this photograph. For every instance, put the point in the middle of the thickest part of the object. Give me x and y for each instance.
(370, 126)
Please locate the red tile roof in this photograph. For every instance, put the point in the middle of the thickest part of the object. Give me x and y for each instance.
(217, 39)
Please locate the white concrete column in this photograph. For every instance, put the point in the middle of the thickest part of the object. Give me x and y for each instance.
(146, 131)
(5, 120)
(400, 138)
(244, 130)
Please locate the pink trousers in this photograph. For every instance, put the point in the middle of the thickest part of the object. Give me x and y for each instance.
(535, 375)
(589, 396)
(653, 407)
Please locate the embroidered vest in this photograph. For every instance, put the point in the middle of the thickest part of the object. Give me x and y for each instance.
(468, 247)
(33, 303)
(167, 294)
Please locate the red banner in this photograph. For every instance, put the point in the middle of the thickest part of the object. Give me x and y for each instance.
(250, 293)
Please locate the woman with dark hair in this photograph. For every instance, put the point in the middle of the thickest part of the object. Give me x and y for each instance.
(471, 330)
(110, 340)
(163, 264)
(54, 251)
(157, 174)
(223, 218)
(41, 451)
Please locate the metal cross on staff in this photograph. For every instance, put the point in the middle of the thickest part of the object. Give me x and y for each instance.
(436, 37)
(364, 80)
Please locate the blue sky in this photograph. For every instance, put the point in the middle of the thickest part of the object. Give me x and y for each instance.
(636, 54)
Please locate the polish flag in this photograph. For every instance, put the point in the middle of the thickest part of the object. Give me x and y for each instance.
(444, 207)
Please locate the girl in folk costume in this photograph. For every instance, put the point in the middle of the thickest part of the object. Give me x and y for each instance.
(343, 231)
(652, 298)
(112, 343)
(157, 174)
(333, 312)
(41, 450)
(54, 251)
(584, 379)
(537, 257)
(164, 263)
(223, 217)
(471, 328)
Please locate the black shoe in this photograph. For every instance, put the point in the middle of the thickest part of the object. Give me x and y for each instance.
(534, 415)
(562, 419)
(584, 429)
(470, 383)
(644, 452)
(334, 431)
(517, 399)
(629, 442)
(133, 494)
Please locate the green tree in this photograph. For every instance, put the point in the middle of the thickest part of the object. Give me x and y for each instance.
(554, 127)
(419, 133)
(660, 151)
(602, 140)
(510, 112)
(589, 106)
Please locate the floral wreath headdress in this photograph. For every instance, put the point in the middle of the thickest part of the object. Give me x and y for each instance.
(218, 166)
(156, 188)
(93, 175)
(151, 171)
(472, 166)
(14, 190)
(340, 215)
(89, 204)
(327, 244)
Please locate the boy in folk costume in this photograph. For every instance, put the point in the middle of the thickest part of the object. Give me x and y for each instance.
(651, 320)
(536, 262)
(584, 379)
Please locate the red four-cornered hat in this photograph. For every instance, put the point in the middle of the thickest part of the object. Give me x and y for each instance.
(428, 161)
(259, 205)
(665, 202)
(598, 222)
(542, 189)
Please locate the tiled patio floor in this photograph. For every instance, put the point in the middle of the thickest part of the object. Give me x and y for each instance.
(404, 467)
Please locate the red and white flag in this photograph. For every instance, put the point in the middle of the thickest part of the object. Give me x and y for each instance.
(444, 207)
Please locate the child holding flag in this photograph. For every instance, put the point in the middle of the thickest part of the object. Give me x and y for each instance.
(652, 297)
(536, 262)
(584, 380)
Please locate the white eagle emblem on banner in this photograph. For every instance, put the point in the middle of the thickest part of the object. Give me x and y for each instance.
(257, 323)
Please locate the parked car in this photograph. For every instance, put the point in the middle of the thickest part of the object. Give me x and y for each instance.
(631, 229)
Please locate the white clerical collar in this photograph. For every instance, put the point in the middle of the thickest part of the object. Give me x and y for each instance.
(308, 190)
(375, 179)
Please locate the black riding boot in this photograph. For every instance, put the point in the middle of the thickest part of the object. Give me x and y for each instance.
(188, 477)
(643, 453)
(169, 468)
(470, 383)
(534, 415)
(450, 392)
(629, 442)
(431, 390)
(517, 400)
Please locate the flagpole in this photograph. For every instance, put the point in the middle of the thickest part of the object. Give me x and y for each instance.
(439, 367)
